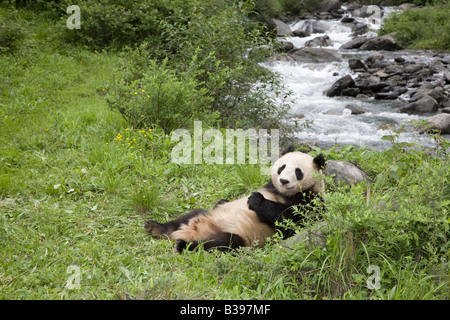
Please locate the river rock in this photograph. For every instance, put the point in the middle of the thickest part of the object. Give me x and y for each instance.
(386, 42)
(356, 64)
(344, 172)
(359, 28)
(440, 122)
(323, 41)
(315, 55)
(355, 43)
(355, 109)
(329, 5)
(447, 77)
(343, 83)
(373, 58)
(313, 27)
(314, 237)
(282, 28)
(424, 105)
(285, 45)
(437, 94)
(301, 33)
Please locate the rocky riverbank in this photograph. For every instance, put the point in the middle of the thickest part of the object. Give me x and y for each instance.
(379, 68)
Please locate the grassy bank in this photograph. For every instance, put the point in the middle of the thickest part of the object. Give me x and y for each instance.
(421, 28)
(77, 183)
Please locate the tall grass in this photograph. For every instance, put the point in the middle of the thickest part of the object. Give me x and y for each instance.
(424, 28)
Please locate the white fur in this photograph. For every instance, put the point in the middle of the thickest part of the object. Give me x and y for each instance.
(294, 160)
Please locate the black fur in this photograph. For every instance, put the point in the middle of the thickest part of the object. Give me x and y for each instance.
(160, 229)
(221, 241)
(320, 161)
(270, 212)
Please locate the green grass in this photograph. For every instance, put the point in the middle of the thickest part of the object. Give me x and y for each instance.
(74, 193)
(424, 28)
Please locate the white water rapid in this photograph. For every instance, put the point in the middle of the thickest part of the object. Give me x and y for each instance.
(327, 121)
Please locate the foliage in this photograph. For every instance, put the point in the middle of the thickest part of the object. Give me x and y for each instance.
(265, 10)
(10, 35)
(425, 28)
(162, 98)
(216, 64)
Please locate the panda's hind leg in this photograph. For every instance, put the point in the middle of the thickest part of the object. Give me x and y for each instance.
(221, 241)
(156, 229)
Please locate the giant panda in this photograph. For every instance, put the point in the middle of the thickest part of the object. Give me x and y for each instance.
(249, 221)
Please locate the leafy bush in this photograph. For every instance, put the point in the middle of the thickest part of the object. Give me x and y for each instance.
(162, 98)
(219, 48)
(10, 35)
(425, 28)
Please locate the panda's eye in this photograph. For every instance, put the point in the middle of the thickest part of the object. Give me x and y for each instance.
(280, 169)
(299, 174)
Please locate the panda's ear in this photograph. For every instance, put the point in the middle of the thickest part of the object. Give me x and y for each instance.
(291, 148)
(320, 161)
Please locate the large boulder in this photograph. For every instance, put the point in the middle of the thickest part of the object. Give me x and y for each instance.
(436, 93)
(386, 42)
(355, 43)
(323, 41)
(424, 105)
(315, 55)
(282, 28)
(344, 172)
(340, 85)
(440, 122)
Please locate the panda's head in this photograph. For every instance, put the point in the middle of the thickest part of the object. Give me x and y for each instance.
(295, 172)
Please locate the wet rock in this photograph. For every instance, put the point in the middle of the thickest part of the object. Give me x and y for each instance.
(350, 92)
(359, 28)
(301, 33)
(356, 64)
(315, 55)
(437, 94)
(285, 45)
(386, 96)
(344, 172)
(355, 43)
(447, 77)
(282, 28)
(439, 122)
(348, 20)
(373, 58)
(337, 88)
(425, 105)
(378, 86)
(355, 109)
(386, 42)
(323, 41)
(313, 27)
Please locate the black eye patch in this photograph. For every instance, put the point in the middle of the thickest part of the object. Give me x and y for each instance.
(299, 174)
(280, 169)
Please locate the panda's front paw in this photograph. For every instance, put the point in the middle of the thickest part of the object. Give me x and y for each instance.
(255, 200)
(180, 245)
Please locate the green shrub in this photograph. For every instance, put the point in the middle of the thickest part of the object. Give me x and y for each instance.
(116, 23)
(10, 35)
(425, 28)
(162, 98)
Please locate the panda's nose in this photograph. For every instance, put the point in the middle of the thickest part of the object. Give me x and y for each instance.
(284, 182)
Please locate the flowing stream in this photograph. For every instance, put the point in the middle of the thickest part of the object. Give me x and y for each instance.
(326, 120)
